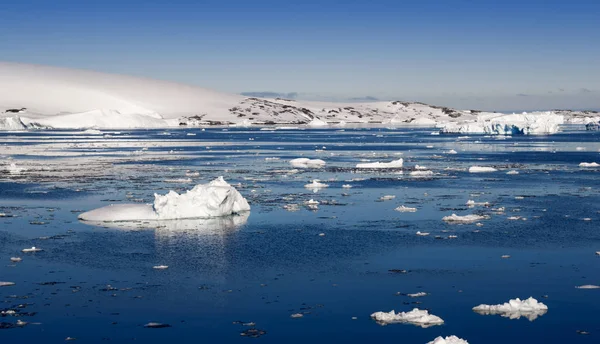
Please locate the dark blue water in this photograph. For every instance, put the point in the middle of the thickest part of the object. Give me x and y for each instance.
(97, 284)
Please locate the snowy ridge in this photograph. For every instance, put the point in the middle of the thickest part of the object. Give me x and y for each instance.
(66, 98)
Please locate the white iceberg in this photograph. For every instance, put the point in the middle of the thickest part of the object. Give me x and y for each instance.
(12, 123)
(448, 340)
(416, 317)
(463, 219)
(515, 309)
(589, 164)
(214, 199)
(539, 123)
(481, 169)
(392, 164)
(307, 163)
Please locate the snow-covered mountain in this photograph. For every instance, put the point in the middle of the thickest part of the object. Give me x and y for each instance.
(41, 96)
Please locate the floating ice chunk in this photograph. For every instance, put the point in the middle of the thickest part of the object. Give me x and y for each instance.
(6, 284)
(481, 169)
(419, 233)
(448, 340)
(311, 202)
(387, 198)
(160, 267)
(297, 315)
(32, 249)
(15, 259)
(505, 256)
(307, 163)
(464, 219)
(347, 186)
(472, 203)
(421, 174)
(315, 122)
(392, 164)
(213, 199)
(419, 294)
(515, 309)
(14, 169)
(588, 286)
(156, 325)
(589, 164)
(316, 185)
(513, 172)
(178, 181)
(291, 207)
(452, 151)
(416, 317)
(420, 168)
(598, 253)
(404, 209)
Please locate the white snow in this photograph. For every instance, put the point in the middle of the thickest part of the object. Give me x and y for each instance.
(307, 163)
(404, 209)
(214, 199)
(12, 123)
(589, 164)
(463, 219)
(448, 340)
(538, 123)
(392, 164)
(481, 169)
(14, 169)
(416, 317)
(515, 309)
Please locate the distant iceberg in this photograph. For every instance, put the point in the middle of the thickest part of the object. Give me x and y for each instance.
(515, 309)
(539, 123)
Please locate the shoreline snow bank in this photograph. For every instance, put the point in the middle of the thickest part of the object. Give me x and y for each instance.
(213, 199)
(416, 317)
(392, 164)
(538, 123)
(515, 309)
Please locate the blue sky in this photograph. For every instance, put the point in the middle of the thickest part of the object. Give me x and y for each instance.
(494, 55)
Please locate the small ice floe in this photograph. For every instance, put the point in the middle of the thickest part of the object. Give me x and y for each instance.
(421, 174)
(291, 207)
(6, 284)
(579, 148)
(192, 174)
(316, 184)
(297, 315)
(416, 317)
(419, 233)
(452, 151)
(156, 325)
(598, 253)
(32, 249)
(311, 202)
(387, 198)
(464, 219)
(472, 203)
(519, 197)
(452, 236)
(160, 267)
(481, 169)
(392, 164)
(15, 259)
(420, 294)
(420, 168)
(347, 186)
(321, 234)
(505, 256)
(404, 209)
(588, 286)
(512, 172)
(448, 340)
(271, 159)
(178, 181)
(515, 309)
(589, 164)
(307, 163)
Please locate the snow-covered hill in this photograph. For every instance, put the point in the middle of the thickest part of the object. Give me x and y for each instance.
(41, 96)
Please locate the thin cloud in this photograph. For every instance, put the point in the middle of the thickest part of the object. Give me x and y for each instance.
(364, 99)
(585, 90)
(522, 95)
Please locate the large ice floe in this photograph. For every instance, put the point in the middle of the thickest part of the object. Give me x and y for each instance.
(464, 219)
(214, 199)
(481, 169)
(515, 309)
(448, 340)
(538, 123)
(416, 317)
(307, 163)
(392, 164)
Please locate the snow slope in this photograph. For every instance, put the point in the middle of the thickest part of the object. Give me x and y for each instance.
(42, 96)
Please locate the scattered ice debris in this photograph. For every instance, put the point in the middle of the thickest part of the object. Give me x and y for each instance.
(589, 164)
(512, 172)
(421, 174)
(419, 233)
(452, 236)
(347, 186)
(214, 199)
(387, 198)
(15, 259)
(452, 151)
(472, 203)
(420, 168)
(316, 184)
(6, 284)
(253, 333)
(291, 207)
(160, 267)
(32, 249)
(392, 164)
(588, 286)
(519, 197)
(417, 317)
(297, 315)
(448, 340)
(481, 169)
(581, 332)
(178, 181)
(307, 163)
(515, 309)
(464, 219)
(192, 174)
(404, 209)
(156, 325)
(419, 294)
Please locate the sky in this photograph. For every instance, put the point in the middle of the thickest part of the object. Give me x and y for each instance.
(489, 55)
